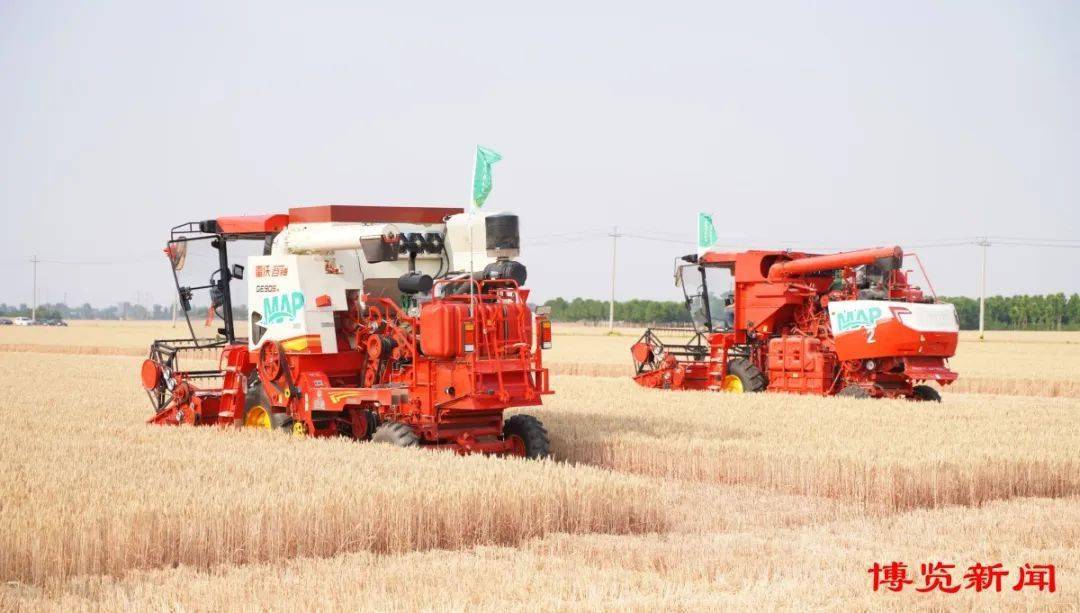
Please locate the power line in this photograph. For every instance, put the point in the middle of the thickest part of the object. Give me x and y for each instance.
(1050, 245)
(99, 263)
(561, 234)
(659, 239)
(564, 241)
(1037, 239)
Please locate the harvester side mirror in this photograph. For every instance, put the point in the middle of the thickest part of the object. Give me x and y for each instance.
(679, 268)
(237, 271)
(177, 252)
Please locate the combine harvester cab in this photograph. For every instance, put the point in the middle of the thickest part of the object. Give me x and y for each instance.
(364, 322)
(846, 323)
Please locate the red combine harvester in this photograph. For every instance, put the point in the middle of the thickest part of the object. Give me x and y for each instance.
(847, 323)
(366, 322)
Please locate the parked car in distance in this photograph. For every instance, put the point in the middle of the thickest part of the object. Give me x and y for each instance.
(54, 322)
(24, 321)
(4, 321)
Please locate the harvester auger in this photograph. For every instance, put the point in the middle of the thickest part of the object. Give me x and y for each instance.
(846, 323)
(367, 322)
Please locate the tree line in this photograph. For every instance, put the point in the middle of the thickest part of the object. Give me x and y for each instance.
(119, 311)
(1047, 312)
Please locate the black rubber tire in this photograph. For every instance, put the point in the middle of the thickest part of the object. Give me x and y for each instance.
(753, 380)
(372, 423)
(925, 393)
(397, 434)
(256, 396)
(530, 430)
(854, 391)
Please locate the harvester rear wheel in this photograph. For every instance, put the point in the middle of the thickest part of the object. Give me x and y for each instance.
(397, 434)
(854, 391)
(743, 376)
(528, 437)
(925, 393)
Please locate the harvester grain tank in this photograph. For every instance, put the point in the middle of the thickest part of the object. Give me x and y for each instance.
(845, 323)
(407, 325)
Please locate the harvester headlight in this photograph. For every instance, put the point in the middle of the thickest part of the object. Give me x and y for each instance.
(870, 364)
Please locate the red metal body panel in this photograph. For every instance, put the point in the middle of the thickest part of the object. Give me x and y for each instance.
(253, 224)
(271, 224)
(800, 365)
(371, 214)
(894, 339)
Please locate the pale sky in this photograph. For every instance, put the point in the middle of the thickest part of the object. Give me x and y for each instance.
(795, 124)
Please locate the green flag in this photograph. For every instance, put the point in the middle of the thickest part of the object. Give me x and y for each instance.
(481, 184)
(706, 233)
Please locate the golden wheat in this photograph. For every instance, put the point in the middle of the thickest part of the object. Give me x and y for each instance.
(897, 453)
(753, 501)
(88, 488)
(812, 566)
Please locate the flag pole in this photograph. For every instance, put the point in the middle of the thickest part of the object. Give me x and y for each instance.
(472, 237)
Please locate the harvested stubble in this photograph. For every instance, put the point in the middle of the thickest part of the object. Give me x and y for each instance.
(819, 564)
(88, 488)
(892, 454)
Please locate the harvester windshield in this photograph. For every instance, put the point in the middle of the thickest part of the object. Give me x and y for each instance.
(708, 295)
(204, 264)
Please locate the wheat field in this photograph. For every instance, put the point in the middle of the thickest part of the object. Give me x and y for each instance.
(654, 500)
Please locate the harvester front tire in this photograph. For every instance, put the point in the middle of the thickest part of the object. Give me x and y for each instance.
(749, 375)
(397, 434)
(530, 431)
(263, 417)
(925, 393)
(854, 391)
(255, 400)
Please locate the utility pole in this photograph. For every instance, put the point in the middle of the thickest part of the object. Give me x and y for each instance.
(984, 243)
(611, 307)
(33, 312)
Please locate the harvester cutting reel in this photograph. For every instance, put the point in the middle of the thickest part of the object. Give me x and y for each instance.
(175, 396)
